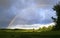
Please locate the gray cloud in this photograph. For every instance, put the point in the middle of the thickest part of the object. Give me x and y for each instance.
(4, 4)
(26, 11)
(6, 14)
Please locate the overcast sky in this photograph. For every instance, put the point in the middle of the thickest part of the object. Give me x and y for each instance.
(26, 12)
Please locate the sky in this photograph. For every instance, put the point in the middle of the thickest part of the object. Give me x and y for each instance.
(25, 13)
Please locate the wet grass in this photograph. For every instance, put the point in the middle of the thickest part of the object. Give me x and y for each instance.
(50, 34)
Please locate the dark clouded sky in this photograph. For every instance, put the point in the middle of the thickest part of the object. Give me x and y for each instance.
(26, 12)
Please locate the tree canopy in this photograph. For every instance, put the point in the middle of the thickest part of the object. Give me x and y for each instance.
(57, 20)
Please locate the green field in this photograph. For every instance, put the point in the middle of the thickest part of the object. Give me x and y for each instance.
(16, 34)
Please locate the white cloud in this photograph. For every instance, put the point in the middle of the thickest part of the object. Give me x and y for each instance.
(35, 26)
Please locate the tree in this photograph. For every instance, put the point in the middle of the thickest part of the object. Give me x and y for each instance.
(44, 29)
(57, 9)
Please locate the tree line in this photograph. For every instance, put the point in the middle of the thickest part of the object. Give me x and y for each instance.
(57, 20)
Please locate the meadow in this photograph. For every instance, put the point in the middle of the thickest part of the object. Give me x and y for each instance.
(11, 33)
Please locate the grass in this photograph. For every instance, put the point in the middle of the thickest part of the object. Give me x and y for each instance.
(14, 34)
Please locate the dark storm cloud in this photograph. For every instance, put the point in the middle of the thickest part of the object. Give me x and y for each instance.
(10, 8)
(6, 14)
(6, 3)
(47, 2)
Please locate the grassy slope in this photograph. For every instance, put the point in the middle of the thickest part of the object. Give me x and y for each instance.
(52, 34)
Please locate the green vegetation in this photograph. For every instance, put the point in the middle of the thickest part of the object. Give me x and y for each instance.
(43, 32)
(43, 29)
(50, 34)
(57, 20)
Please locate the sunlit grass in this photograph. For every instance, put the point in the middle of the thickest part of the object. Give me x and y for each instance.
(43, 32)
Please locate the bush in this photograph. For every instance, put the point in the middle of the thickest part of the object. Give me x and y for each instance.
(44, 29)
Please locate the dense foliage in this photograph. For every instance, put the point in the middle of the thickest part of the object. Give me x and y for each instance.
(57, 20)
